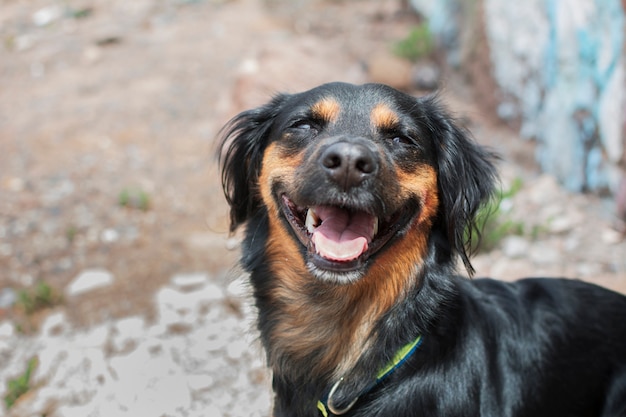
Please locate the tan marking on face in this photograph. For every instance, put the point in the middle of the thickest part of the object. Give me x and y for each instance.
(327, 109)
(335, 323)
(277, 166)
(389, 278)
(307, 327)
(382, 117)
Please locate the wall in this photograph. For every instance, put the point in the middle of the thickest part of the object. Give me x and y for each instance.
(559, 67)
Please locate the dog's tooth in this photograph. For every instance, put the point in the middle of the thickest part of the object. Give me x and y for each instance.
(311, 220)
(375, 226)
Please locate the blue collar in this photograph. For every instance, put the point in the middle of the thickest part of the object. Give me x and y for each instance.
(327, 409)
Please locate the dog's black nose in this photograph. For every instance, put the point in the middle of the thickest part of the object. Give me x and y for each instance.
(348, 164)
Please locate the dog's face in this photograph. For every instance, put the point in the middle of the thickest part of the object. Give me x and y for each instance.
(347, 174)
(352, 175)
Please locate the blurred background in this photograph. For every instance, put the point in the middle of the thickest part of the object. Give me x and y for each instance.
(118, 291)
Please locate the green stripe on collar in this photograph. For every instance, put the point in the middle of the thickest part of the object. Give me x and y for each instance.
(398, 359)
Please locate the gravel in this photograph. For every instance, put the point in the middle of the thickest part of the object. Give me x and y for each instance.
(196, 358)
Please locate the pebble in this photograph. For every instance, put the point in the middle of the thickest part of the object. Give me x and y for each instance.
(8, 297)
(426, 76)
(88, 281)
(190, 281)
(515, 246)
(47, 15)
(109, 236)
(7, 330)
(54, 325)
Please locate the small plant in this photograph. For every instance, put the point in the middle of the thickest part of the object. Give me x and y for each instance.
(493, 223)
(35, 299)
(70, 233)
(20, 385)
(418, 44)
(134, 198)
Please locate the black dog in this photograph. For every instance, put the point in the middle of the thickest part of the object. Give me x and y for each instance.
(358, 200)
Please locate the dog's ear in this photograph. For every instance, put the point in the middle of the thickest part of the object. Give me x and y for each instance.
(466, 179)
(243, 140)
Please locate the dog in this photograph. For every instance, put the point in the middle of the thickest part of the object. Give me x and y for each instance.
(358, 203)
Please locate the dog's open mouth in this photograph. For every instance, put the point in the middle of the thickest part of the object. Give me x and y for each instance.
(340, 239)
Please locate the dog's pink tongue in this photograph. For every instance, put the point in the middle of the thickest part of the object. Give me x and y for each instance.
(342, 236)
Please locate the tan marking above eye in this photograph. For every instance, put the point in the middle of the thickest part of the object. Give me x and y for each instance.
(327, 109)
(383, 118)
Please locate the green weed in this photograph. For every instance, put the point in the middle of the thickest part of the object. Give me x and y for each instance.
(38, 298)
(495, 223)
(418, 44)
(20, 385)
(134, 198)
(70, 233)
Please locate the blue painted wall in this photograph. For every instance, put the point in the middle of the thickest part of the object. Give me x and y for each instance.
(562, 62)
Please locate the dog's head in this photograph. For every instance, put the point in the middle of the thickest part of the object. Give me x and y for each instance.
(350, 175)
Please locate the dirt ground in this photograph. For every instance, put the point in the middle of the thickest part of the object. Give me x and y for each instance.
(109, 111)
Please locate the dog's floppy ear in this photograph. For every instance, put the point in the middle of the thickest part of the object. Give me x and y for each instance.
(244, 139)
(466, 179)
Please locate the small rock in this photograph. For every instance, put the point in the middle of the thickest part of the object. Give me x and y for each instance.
(544, 189)
(507, 111)
(92, 55)
(109, 236)
(211, 292)
(7, 330)
(563, 224)
(190, 282)
(609, 236)
(54, 325)
(89, 280)
(47, 15)
(426, 76)
(544, 255)
(15, 184)
(515, 247)
(7, 298)
(233, 243)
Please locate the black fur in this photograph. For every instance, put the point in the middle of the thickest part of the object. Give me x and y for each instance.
(537, 347)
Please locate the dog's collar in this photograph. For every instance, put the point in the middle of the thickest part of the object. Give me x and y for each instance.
(325, 405)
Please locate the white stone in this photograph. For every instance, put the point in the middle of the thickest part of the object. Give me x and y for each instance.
(54, 325)
(515, 246)
(172, 299)
(611, 236)
(190, 281)
(7, 330)
(210, 292)
(47, 15)
(130, 327)
(109, 236)
(89, 280)
(544, 254)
